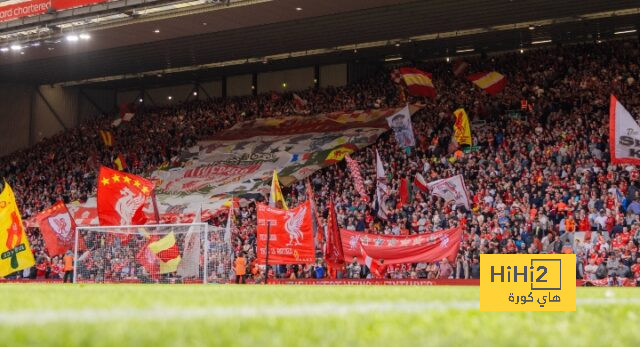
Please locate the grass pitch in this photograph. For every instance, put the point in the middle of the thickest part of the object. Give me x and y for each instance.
(261, 316)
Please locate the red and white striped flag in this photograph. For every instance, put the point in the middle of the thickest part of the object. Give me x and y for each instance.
(300, 103)
(358, 182)
(420, 182)
(376, 269)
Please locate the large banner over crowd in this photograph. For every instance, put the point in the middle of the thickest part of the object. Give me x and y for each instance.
(402, 249)
(240, 161)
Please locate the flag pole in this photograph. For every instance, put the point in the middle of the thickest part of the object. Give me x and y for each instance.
(155, 206)
(75, 256)
(266, 261)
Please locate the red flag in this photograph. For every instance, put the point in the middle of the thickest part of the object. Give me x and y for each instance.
(403, 191)
(333, 249)
(127, 111)
(420, 182)
(291, 235)
(376, 269)
(418, 82)
(58, 229)
(491, 82)
(121, 197)
(148, 259)
(319, 235)
(402, 249)
(300, 103)
(120, 162)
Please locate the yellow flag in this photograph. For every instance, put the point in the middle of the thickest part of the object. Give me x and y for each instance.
(461, 128)
(15, 252)
(276, 193)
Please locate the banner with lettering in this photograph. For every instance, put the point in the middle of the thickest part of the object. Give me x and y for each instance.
(624, 135)
(402, 249)
(37, 7)
(239, 162)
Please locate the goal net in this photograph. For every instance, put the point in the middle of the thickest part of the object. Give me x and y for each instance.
(167, 253)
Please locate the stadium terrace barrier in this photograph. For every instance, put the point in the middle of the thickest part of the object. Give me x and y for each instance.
(423, 282)
(626, 282)
(380, 282)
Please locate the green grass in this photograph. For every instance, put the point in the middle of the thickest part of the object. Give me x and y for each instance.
(195, 315)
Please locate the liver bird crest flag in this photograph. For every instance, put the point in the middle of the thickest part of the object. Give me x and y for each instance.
(291, 235)
(58, 229)
(15, 252)
(121, 197)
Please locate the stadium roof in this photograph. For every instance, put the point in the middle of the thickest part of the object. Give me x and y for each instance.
(206, 41)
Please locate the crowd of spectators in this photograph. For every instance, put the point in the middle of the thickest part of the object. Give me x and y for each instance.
(538, 172)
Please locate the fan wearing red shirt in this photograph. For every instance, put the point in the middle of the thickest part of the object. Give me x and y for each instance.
(584, 224)
(42, 269)
(635, 269)
(610, 223)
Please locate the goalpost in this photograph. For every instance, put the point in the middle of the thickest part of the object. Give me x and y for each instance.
(162, 253)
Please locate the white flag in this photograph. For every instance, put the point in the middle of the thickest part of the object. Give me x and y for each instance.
(402, 128)
(190, 264)
(624, 135)
(382, 191)
(451, 189)
(128, 116)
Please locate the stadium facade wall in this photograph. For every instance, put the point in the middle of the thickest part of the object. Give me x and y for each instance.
(214, 88)
(286, 80)
(333, 75)
(125, 97)
(14, 117)
(30, 113)
(160, 96)
(239, 85)
(178, 93)
(64, 103)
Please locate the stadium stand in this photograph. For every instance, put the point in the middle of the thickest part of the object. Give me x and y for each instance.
(537, 175)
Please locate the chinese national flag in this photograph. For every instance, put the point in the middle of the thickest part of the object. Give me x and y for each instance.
(121, 197)
(58, 229)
